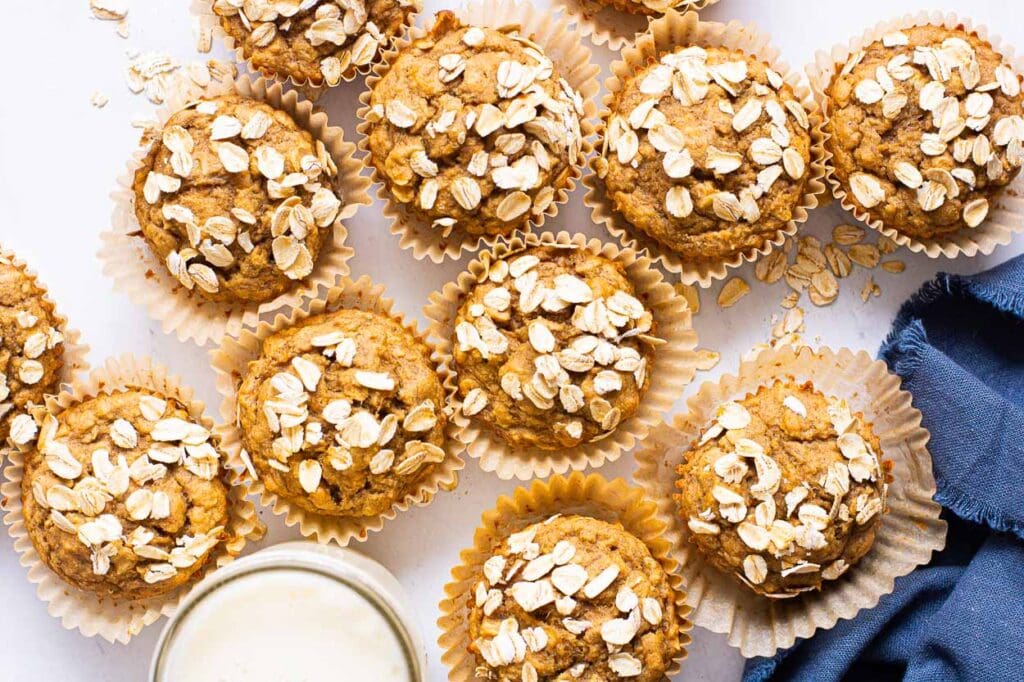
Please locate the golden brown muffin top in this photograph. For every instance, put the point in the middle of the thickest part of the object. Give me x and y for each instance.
(573, 598)
(123, 495)
(784, 490)
(553, 348)
(236, 199)
(343, 413)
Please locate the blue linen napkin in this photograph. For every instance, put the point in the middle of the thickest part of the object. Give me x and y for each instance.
(958, 344)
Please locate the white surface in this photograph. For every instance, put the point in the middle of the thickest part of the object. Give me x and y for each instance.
(58, 160)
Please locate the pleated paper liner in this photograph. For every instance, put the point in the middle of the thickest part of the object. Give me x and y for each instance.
(1006, 214)
(910, 530)
(664, 36)
(595, 496)
(674, 365)
(113, 620)
(207, 20)
(75, 351)
(136, 271)
(231, 362)
(613, 27)
(563, 44)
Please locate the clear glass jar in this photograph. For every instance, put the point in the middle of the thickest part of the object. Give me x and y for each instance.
(253, 618)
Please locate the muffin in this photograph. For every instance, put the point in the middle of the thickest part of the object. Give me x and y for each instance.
(652, 7)
(574, 598)
(124, 495)
(925, 130)
(552, 348)
(31, 351)
(472, 127)
(785, 490)
(706, 151)
(317, 42)
(343, 414)
(236, 199)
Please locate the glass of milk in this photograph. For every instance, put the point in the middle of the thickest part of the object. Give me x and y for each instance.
(295, 612)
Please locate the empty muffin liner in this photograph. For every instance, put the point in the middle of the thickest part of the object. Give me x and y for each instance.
(1006, 215)
(563, 44)
(664, 36)
(113, 620)
(612, 27)
(910, 530)
(207, 20)
(230, 363)
(613, 501)
(136, 271)
(674, 365)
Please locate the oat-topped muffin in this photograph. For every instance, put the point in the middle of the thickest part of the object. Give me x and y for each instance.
(573, 598)
(123, 495)
(473, 127)
(318, 41)
(926, 129)
(553, 348)
(649, 7)
(784, 490)
(236, 199)
(706, 151)
(31, 351)
(343, 413)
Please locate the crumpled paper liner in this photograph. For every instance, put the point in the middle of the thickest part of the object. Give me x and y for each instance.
(615, 28)
(137, 272)
(674, 365)
(1006, 213)
(207, 20)
(595, 496)
(910, 531)
(563, 44)
(75, 351)
(231, 363)
(665, 35)
(80, 610)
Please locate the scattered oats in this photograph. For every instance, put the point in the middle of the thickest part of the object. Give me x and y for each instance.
(735, 289)
(98, 99)
(108, 10)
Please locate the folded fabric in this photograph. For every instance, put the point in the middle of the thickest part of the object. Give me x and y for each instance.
(958, 344)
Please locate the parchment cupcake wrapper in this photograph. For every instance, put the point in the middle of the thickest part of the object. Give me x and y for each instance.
(230, 363)
(615, 28)
(910, 531)
(1006, 215)
(207, 20)
(136, 271)
(563, 44)
(612, 501)
(75, 351)
(665, 35)
(77, 609)
(674, 365)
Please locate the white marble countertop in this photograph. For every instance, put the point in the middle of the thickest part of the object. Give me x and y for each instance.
(59, 157)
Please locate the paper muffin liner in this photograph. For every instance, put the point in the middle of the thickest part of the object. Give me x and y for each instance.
(665, 35)
(594, 496)
(230, 363)
(673, 367)
(75, 351)
(92, 615)
(206, 20)
(136, 271)
(563, 44)
(1006, 215)
(910, 530)
(615, 28)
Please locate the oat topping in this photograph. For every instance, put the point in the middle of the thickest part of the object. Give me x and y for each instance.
(236, 199)
(719, 138)
(552, 347)
(473, 127)
(546, 605)
(940, 129)
(800, 497)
